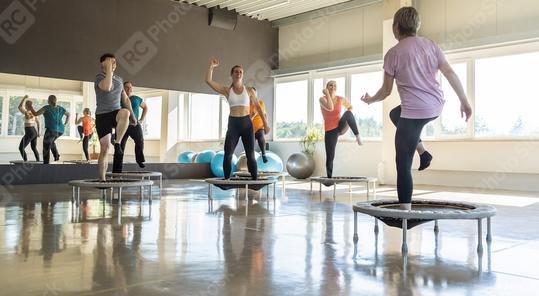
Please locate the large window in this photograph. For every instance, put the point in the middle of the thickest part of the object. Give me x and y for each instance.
(451, 122)
(369, 117)
(152, 122)
(291, 100)
(225, 112)
(204, 116)
(506, 100)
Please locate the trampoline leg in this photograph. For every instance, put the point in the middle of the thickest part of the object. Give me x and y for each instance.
(479, 235)
(141, 193)
(274, 184)
(436, 229)
(355, 227)
(489, 231)
(404, 248)
(119, 195)
(160, 182)
(78, 196)
(320, 190)
(368, 189)
(334, 189)
(284, 186)
(150, 195)
(267, 191)
(374, 190)
(376, 228)
(72, 194)
(246, 200)
(311, 192)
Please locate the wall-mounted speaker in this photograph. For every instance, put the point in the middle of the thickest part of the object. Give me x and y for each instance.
(222, 18)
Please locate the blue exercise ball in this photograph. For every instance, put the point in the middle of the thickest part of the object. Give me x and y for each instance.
(205, 156)
(186, 157)
(274, 164)
(217, 164)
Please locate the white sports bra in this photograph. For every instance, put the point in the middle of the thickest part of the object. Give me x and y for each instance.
(238, 100)
(31, 120)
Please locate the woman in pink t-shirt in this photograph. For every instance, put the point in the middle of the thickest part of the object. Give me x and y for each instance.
(414, 64)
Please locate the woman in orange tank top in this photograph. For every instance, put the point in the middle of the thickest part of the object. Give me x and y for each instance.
(85, 130)
(258, 126)
(335, 124)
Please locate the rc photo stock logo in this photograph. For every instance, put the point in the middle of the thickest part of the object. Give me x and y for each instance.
(15, 20)
(141, 47)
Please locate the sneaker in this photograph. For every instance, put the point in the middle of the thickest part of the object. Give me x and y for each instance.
(141, 165)
(264, 158)
(425, 160)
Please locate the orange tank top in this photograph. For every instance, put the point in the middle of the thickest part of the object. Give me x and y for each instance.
(87, 125)
(257, 120)
(331, 118)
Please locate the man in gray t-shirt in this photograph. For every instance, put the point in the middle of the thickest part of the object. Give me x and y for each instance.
(109, 114)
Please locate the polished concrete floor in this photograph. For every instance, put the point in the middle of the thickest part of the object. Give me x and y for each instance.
(299, 245)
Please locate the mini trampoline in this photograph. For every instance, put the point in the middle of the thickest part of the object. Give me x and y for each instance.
(239, 183)
(266, 174)
(423, 211)
(143, 175)
(108, 184)
(369, 181)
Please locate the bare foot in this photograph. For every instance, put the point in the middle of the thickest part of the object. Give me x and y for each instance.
(358, 140)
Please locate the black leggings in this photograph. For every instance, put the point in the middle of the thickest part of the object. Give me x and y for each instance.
(49, 144)
(85, 141)
(240, 127)
(136, 133)
(30, 137)
(406, 141)
(260, 138)
(331, 137)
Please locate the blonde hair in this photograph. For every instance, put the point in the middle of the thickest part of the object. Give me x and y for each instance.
(407, 21)
(331, 81)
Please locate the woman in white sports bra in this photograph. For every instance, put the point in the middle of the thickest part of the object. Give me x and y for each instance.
(31, 129)
(239, 98)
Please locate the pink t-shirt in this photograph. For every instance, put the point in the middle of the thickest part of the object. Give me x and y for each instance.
(414, 62)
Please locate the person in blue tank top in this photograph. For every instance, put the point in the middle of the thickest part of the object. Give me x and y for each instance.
(54, 127)
(135, 131)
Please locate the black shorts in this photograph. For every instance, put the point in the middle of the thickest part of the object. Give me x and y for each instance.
(105, 122)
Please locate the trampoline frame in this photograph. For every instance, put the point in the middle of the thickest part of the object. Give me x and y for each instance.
(476, 212)
(279, 175)
(367, 180)
(77, 184)
(144, 175)
(219, 181)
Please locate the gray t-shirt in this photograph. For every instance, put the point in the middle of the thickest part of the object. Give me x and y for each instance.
(108, 101)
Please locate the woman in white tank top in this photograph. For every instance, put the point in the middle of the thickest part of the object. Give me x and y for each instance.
(31, 129)
(239, 98)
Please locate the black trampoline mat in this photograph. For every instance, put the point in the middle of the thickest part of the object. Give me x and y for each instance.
(428, 207)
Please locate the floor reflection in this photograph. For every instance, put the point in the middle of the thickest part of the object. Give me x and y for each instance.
(298, 247)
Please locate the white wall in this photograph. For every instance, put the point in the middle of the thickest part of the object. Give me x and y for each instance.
(346, 35)
(458, 23)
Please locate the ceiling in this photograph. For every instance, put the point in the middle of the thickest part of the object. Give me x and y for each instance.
(268, 9)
